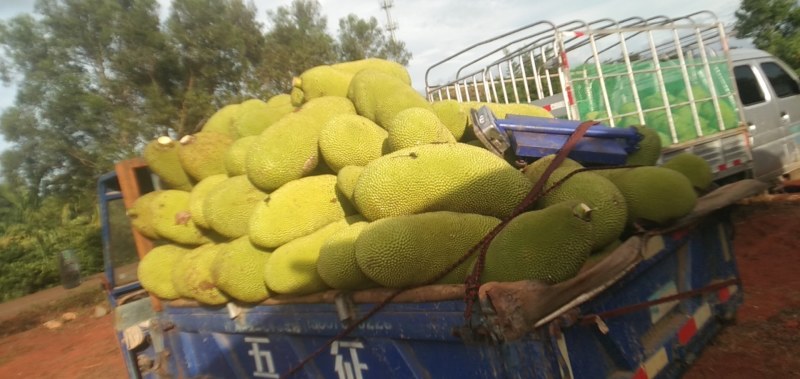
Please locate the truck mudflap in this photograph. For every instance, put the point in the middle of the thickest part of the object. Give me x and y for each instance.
(644, 311)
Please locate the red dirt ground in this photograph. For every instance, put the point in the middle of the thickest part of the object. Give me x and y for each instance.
(763, 343)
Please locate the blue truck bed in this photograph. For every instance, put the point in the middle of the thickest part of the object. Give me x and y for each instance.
(644, 311)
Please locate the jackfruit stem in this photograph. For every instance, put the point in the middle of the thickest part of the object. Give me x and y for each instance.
(582, 211)
(297, 82)
(187, 139)
(164, 140)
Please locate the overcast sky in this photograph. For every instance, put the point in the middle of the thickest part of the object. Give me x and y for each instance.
(435, 29)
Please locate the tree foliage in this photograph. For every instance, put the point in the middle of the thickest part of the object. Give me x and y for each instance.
(774, 26)
(97, 79)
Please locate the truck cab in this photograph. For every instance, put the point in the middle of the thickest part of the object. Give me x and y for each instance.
(770, 96)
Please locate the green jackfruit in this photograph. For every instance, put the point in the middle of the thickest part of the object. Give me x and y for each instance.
(161, 156)
(172, 219)
(286, 151)
(337, 265)
(155, 270)
(230, 204)
(141, 215)
(198, 196)
(236, 155)
(223, 120)
(453, 116)
(379, 96)
(321, 81)
(350, 139)
(412, 250)
(649, 148)
(439, 177)
(549, 245)
(655, 194)
(296, 209)
(388, 67)
(536, 169)
(609, 211)
(292, 268)
(694, 167)
(203, 154)
(238, 270)
(346, 180)
(192, 279)
(416, 126)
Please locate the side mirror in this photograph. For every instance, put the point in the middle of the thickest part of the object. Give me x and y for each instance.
(69, 268)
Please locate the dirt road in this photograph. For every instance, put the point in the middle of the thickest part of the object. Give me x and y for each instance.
(764, 343)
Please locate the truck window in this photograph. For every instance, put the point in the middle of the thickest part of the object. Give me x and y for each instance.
(749, 90)
(781, 82)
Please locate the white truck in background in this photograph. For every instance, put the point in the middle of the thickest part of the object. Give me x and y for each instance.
(742, 113)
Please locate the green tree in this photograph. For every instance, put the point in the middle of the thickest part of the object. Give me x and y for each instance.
(359, 39)
(774, 26)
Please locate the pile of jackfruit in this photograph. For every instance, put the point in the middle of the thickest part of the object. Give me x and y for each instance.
(355, 181)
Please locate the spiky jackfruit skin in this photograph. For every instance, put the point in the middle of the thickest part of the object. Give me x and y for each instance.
(284, 152)
(296, 209)
(324, 108)
(223, 121)
(346, 181)
(203, 154)
(155, 270)
(695, 168)
(238, 270)
(337, 265)
(162, 159)
(350, 139)
(230, 204)
(406, 251)
(279, 105)
(296, 97)
(172, 219)
(655, 194)
(292, 268)
(192, 275)
(388, 67)
(536, 169)
(321, 81)
(198, 196)
(549, 245)
(379, 96)
(609, 211)
(236, 155)
(452, 115)
(252, 119)
(416, 126)
(649, 148)
(439, 177)
(141, 215)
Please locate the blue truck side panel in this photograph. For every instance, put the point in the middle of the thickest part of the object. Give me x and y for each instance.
(419, 340)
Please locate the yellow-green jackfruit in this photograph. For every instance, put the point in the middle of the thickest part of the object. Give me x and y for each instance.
(549, 245)
(141, 215)
(350, 139)
(252, 119)
(439, 177)
(161, 156)
(388, 67)
(292, 268)
(453, 116)
(203, 154)
(172, 219)
(223, 121)
(236, 155)
(192, 275)
(230, 204)
(655, 194)
(379, 97)
(337, 265)
(321, 81)
(238, 270)
(155, 270)
(198, 196)
(279, 106)
(346, 181)
(536, 169)
(416, 126)
(694, 167)
(286, 151)
(322, 109)
(649, 148)
(412, 250)
(296, 209)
